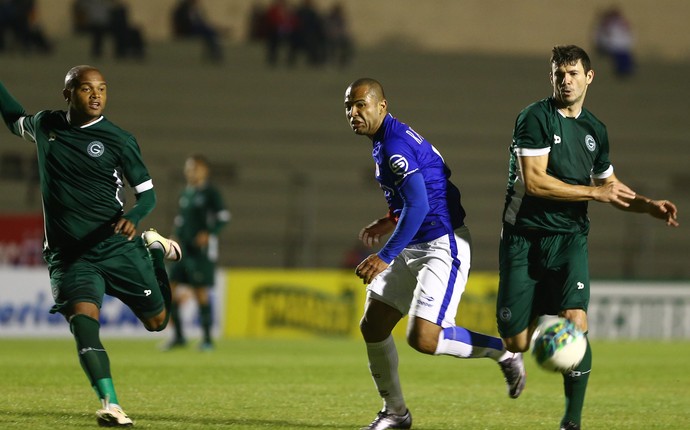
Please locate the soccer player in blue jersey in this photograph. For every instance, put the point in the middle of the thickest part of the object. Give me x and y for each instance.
(91, 244)
(559, 161)
(422, 269)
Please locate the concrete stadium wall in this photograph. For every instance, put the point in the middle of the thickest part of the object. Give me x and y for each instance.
(488, 26)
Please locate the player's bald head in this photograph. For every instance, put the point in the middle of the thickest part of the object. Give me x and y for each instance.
(373, 87)
(73, 75)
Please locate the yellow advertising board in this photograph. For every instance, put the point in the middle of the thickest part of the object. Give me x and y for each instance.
(328, 303)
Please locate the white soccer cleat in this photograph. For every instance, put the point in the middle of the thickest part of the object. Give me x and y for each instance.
(170, 248)
(113, 416)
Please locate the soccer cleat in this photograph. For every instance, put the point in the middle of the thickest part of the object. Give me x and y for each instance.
(206, 346)
(570, 426)
(173, 343)
(515, 375)
(170, 248)
(385, 421)
(113, 416)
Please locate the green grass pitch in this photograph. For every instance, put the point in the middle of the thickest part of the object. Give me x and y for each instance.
(324, 384)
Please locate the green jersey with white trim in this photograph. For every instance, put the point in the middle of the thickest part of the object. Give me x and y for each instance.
(200, 209)
(81, 171)
(578, 150)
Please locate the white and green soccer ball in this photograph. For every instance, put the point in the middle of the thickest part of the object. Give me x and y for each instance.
(558, 345)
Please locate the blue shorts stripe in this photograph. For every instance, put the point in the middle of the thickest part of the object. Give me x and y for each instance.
(453, 276)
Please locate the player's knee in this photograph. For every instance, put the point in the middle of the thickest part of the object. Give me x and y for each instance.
(366, 329)
(372, 332)
(423, 344)
(423, 335)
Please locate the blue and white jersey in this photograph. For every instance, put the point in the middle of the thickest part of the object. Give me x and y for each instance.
(401, 153)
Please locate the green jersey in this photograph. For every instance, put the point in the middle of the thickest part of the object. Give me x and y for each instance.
(81, 173)
(200, 209)
(578, 150)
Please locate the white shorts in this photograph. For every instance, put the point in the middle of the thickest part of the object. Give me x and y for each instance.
(426, 280)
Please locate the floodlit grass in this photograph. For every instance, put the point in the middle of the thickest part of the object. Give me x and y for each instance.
(324, 384)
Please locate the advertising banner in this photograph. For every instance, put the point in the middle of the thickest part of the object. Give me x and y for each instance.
(303, 303)
(25, 301)
(260, 303)
(21, 239)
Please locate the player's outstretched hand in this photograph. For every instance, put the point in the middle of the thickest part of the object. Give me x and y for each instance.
(665, 210)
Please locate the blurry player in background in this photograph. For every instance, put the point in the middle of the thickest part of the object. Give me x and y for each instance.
(422, 269)
(559, 161)
(201, 216)
(91, 245)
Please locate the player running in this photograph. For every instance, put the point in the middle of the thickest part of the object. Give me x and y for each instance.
(91, 245)
(559, 161)
(422, 269)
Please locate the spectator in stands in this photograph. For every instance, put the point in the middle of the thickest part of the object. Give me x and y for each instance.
(308, 36)
(339, 45)
(104, 19)
(128, 39)
(189, 20)
(256, 25)
(280, 24)
(18, 18)
(94, 19)
(614, 39)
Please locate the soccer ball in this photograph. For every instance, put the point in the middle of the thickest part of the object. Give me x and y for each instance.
(557, 345)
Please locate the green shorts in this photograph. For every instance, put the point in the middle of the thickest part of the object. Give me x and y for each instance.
(117, 267)
(194, 270)
(540, 274)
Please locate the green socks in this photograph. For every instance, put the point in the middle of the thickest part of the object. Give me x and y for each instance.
(92, 356)
(177, 323)
(575, 385)
(206, 320)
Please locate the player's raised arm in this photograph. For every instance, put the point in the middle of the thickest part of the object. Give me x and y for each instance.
(11, 110)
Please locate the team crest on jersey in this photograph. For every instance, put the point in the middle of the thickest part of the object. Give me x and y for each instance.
(590, 143)
(95, 149)
(398, 164)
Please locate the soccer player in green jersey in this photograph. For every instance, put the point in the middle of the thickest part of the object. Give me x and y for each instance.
(559, 162)
(201, 216)
(91, 244)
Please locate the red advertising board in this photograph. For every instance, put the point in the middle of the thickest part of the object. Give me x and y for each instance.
(21, 239)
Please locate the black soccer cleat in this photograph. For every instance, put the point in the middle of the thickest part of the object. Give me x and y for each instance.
(385, 421)
(570, 426)
(515, 375)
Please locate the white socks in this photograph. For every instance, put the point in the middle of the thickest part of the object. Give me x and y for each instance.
(383, 364)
